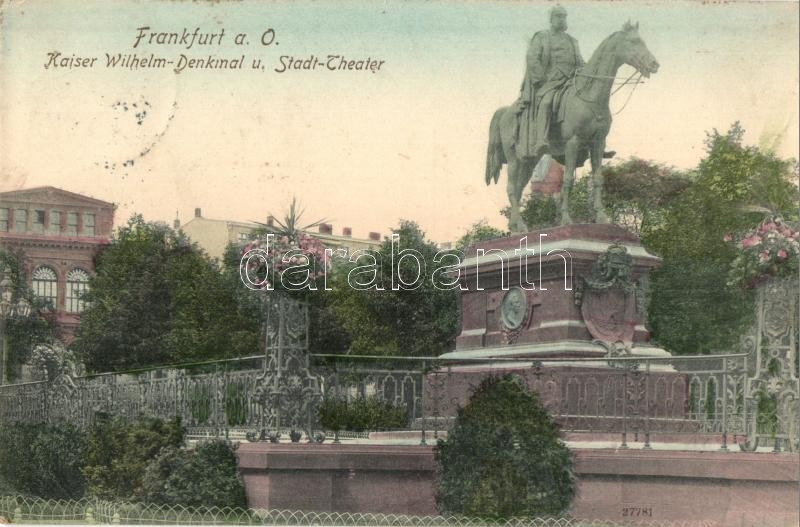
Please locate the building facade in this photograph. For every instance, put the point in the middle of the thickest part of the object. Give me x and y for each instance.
(215, 235)
(59, 234)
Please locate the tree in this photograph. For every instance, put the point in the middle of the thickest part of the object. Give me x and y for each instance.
(23, 334)
(503, 457)
(636, 192)
(419, 322)
(157, 299)
(478, 232)
(539, 211)
(693, 309)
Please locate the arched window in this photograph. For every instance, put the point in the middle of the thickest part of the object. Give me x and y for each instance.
(77, 284)
(45, 285)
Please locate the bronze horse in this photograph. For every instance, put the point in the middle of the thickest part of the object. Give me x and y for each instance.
(579, 134)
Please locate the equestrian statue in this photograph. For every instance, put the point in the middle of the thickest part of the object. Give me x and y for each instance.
(562, 111)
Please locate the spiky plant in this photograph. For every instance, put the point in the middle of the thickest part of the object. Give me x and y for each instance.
(291, 224)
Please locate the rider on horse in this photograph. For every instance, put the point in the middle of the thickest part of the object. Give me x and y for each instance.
(552, 60)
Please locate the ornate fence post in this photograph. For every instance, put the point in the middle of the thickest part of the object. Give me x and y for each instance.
(624, 443)
(286, 391)
(724, 404)
(647, 405)
(772, 387)
(424, 370)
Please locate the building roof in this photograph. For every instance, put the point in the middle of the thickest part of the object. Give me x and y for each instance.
(46, 194)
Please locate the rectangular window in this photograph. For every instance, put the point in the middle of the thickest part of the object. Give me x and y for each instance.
(77, 285)
(55, 222)
(88, 224)
(38, 221)
(20, 220)
(3, 220)
(72, 223)
(74, 292)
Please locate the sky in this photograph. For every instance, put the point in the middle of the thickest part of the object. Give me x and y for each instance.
(358, 148)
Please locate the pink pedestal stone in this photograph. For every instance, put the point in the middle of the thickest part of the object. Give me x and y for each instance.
(720, 488)
(341, 478)
(588, 396)
(590, 285)
(553, 317)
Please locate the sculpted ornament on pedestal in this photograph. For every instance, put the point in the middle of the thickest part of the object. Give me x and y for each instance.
(514, 313)
(607, 297)
(514, 308)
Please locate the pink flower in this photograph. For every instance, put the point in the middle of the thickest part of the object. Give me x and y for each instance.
(751, 241)
(770, 226)
(782, 254)
(727, 238)
(763, 256)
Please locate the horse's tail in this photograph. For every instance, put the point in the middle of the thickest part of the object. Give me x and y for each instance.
(494, 156)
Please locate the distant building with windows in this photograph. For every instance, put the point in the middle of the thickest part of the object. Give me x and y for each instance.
(59, 233)
(215, 235)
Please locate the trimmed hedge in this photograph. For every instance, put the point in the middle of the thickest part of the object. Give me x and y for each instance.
(204, 477)
(504, 457)
(359, 415)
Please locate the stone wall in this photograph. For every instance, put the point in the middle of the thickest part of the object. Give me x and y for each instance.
(723, 488)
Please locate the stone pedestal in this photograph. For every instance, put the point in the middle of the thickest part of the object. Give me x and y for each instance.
(555, 307)
(530, 303)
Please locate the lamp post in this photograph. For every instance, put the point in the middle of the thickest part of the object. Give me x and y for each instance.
(8, 311)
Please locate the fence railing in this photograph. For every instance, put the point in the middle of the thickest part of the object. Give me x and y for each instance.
(27, 510)
(635, 397)
(212, 399)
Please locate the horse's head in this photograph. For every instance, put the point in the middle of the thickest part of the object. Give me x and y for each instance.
(633, 51)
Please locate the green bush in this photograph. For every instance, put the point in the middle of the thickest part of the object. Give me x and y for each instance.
(359, 415)
(206, 476)
(119, 452)
(43, 460)
(503, 458)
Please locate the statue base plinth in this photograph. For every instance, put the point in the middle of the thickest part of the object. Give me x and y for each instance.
(588, 306)
(515, 300)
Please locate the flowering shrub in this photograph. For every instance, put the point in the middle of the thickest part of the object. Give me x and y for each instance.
(282, 263)
(48, 361)
(772, 249)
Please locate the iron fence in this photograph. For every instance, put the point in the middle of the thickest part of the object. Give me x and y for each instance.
(216, 398)
(634, 397)
(754, 394)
